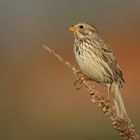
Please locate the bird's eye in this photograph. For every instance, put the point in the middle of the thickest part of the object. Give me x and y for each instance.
(81, 26)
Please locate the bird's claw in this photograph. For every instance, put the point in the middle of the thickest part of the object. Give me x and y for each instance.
(79, 80)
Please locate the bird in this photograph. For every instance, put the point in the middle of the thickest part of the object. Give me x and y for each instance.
(96, 60)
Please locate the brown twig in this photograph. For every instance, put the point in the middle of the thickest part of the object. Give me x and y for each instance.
(125, 128)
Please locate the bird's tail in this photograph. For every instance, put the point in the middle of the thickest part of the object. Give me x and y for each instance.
(118, 101)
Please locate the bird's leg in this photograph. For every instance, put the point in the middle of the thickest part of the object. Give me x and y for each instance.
(108, 94)
(108, 90)
(80, 79)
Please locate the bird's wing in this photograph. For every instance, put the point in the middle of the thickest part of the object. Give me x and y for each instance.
(107, 56)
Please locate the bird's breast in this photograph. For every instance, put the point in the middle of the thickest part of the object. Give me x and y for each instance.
(89, 62)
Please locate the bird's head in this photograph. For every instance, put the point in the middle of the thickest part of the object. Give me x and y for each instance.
(81, 30)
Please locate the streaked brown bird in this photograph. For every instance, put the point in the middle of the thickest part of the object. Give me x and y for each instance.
(96, 60)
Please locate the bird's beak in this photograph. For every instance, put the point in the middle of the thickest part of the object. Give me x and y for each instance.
(72, 29)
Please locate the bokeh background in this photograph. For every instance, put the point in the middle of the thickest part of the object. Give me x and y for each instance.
(37, 97)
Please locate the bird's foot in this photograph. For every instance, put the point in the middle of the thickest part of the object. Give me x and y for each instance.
(80, 79)
(105, 105)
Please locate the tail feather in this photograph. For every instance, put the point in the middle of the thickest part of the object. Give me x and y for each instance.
(118, 101)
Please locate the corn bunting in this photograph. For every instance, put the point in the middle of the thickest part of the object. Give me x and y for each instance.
(96, 60)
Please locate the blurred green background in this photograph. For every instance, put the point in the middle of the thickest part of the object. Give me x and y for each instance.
(37, 97)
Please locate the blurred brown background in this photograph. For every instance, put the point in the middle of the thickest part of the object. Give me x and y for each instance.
(37, 97)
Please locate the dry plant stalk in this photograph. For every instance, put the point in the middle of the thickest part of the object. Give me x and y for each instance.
(125, 128)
